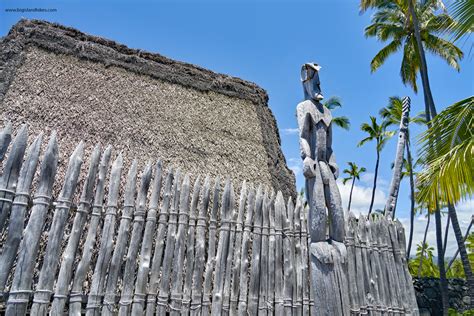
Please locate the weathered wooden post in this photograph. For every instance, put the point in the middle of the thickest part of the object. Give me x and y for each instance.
(139, 296)
(159, 245)
(237, 259)
(397, 168)
(227, 209)
(280, 215)
(17, 216)
(190, 248)
(65, 272)
(136, 237)
(211, 251)
(179, 250)
(21, 287)
(264, 275)
(115, 264)
(5, 138)
(164, 289)
(288, 259)
(94, 302)
(10, 174)
(200, 251)
(245, 247)
(230, 257)
(75, 300)
(254, 283)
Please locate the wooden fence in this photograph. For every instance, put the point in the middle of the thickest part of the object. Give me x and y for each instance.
(379, 280)
(161, 245)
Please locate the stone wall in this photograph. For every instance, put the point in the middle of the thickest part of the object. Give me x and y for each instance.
(429, 298)
(144, 105)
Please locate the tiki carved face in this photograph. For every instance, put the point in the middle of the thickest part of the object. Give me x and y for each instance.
(310, 80)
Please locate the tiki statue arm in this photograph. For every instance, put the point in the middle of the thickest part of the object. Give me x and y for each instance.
(304, 121)
(331, 156)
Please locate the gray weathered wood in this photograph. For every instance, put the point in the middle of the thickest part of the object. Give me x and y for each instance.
(262, 299)
(408, 278)
(135, 239)
(403, 291)
(44, 287)
(227, 210)
(94, 299)
(376, 270)
(211, 251)
(190, 248)
(17, 216)
(22, 280)
(10, 174)
(278, 287)
(5, 139)
(354, 299)
(229, 266)
(298, 294)
(271, 257)
(245, 253)
(391, 203)
(254, 282)
(164, 288)
(237, 256)
(152, 291)
(179, 250)
(305, 259)
(369, 275)
(75, 300)
(108, 260)
(145, 252)
(200, 250)
(65, 272)
(288, 258)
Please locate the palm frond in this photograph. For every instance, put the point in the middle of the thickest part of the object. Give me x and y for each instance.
(462, 12)
(342, 121)
(384, 53)
(333, 102)
(365, 140)
(444, 49)
(410, 63)
(448, 173)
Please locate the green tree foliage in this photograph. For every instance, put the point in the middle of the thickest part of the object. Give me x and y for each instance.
(424, 256)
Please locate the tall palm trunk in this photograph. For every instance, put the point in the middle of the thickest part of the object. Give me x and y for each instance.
(350, 194)
(430, 107)
(423, 244)
(412, 196)
(462, 251)
(441, 265)
(446, 233)
(375, 179)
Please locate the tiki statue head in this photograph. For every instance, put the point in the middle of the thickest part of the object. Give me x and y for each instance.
(310, 80)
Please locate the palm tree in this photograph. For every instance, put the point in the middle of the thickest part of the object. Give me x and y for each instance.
(393, 22)
(340, 121)
(463, 15)
(392, 115)
(448, 175)
(415, 26)
(381, 136)
(353, 173)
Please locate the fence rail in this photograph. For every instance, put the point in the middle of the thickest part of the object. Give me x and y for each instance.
(167, 246)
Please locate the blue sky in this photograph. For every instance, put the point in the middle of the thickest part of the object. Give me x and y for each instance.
(266, 42)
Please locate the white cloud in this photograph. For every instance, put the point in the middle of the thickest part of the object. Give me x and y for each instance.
(296, 164)
(464, 211)
(290, 131)
(362, 195)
